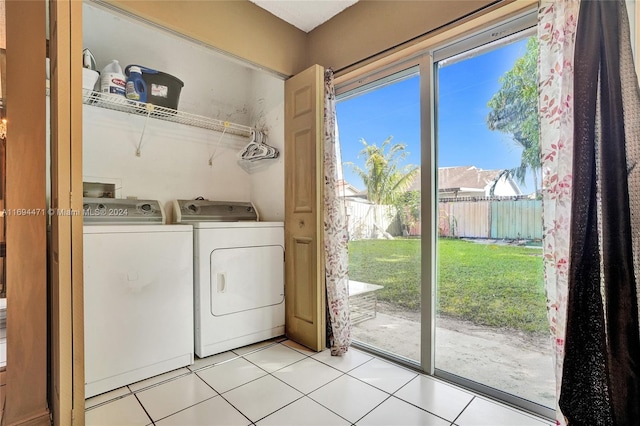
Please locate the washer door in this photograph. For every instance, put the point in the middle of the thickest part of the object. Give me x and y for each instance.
(245, 278)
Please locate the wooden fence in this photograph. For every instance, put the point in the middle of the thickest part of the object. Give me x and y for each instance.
(362, 216)
(487, 217)
(491, 218)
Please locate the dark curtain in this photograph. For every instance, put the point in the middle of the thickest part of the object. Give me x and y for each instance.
(601, 371)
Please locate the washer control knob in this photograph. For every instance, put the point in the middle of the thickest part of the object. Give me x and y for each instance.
(146, 208)
(192, 208)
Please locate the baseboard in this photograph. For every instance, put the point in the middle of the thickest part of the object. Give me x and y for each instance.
(40, 419)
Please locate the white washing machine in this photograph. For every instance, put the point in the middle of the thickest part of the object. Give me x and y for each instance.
(138, 293)
(238, 274)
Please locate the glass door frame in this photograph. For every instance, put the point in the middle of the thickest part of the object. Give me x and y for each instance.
(425, 62)
(418, 64)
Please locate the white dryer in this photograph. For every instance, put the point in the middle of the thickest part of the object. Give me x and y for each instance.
(138, 293)
(238, 274)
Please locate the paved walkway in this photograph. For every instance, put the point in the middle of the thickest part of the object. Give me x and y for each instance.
(511, 362)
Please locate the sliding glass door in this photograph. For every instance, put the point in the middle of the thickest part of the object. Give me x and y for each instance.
(446, 272)
(379, 127)
(491, 322)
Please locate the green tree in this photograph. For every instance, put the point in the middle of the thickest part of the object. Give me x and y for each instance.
(383, 176)
(408, 208)
(514, 110)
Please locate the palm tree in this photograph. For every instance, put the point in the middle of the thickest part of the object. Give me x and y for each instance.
(514, 110)
(382, 175)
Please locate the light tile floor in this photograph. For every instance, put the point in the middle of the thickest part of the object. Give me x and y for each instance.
(281, 383)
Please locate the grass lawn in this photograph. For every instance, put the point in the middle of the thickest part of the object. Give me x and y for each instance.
(489, 284)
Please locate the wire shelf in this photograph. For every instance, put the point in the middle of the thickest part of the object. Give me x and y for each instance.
(118, 103)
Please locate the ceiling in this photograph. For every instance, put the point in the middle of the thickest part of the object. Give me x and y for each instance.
(304, 14)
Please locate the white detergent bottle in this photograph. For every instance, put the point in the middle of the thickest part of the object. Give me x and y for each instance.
(112, 80)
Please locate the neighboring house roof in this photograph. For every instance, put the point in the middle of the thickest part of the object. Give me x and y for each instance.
(348, 190)
(456, 178)
(467, 179)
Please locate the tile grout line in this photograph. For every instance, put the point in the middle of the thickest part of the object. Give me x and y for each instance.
(267, 374)
(342, 373)
(271, 374)
(279, 409)
(345, 372)
(465, 407)
(237, 356)
(305, 394)
(375, 387)
(153, 422)
(114, 399)
(418, 375)
(225, 399)
(170, 380)
(236, 408)
(182, 409)
(236, 387)
(368, 412)
(324, 406)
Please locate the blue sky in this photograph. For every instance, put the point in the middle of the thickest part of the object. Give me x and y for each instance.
(464, 89)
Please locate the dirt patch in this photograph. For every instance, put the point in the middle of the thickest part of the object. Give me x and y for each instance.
(530, 341)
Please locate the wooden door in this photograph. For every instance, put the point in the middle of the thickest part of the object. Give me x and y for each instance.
(66, 313)
(304, 264)
(25, 204)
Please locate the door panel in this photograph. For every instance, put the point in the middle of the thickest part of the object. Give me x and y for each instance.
(26, 275)
(303, 153)
(304, 265)
(303, 306)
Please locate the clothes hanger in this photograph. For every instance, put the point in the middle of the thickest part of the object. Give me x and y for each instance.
(257, 148)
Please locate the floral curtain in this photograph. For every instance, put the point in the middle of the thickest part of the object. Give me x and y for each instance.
(556, 33)
(335, 231)
(589, 109)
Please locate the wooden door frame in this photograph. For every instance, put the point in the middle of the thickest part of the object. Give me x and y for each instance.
(67, 298)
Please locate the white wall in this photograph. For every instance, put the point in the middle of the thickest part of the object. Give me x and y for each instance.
(267, 114)
(174, 161)
(214, 86)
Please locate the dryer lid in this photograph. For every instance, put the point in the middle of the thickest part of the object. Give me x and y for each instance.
(189, 211)
(115, 211)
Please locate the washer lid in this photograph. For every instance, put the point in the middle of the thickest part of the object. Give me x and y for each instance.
(189, 211)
